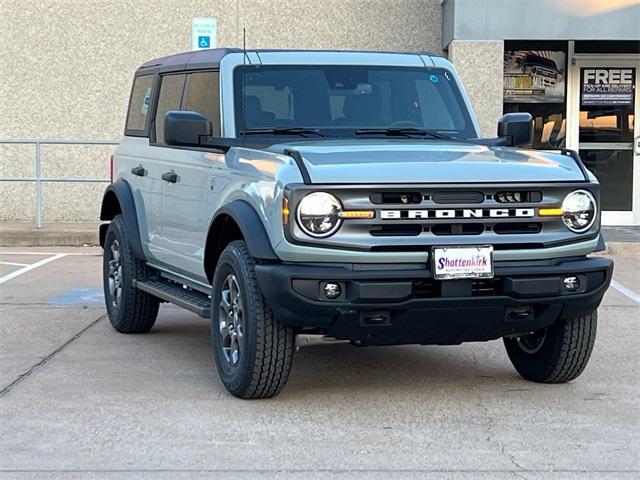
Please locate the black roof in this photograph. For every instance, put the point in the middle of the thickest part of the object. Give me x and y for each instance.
(212, 57)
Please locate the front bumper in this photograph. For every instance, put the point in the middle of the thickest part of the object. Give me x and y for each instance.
(402, 304)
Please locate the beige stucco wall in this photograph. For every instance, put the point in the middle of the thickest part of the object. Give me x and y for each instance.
(66, 68)
(480, 66)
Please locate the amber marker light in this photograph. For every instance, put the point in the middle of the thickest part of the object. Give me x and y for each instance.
(285, 210)
(550, 212)
(357, 214)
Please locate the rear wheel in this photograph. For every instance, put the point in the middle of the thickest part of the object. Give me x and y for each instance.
(130, 310)
(556, 354)
(253, 349)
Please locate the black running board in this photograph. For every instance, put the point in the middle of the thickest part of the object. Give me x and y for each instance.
(171, 292)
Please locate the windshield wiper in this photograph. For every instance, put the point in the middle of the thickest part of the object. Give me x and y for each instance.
(283, 131)
(404, 132)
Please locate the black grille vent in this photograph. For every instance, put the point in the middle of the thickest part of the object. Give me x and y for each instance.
(457, 229)
(514, 228)
(455, 198)
(518, 197)
(402, 198)
(429, 288)
(396, 230)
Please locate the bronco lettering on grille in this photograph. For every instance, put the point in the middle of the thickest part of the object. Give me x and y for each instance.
(456, 213)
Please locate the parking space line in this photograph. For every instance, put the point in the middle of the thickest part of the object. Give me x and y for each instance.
(78, 254)
(30, 267)
(625, 291)
(13, 264)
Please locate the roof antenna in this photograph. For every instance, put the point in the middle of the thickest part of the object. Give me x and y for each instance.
(244, 68)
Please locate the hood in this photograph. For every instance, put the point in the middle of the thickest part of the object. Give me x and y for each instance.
(428, 161)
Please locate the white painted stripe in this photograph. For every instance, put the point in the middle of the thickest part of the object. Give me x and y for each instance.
(625, 291)
(28, 268)
(14, 264)
(51, 253)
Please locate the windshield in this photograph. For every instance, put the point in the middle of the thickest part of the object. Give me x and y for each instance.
(341, 100)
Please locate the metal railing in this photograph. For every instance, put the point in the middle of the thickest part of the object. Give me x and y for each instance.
(38, 179)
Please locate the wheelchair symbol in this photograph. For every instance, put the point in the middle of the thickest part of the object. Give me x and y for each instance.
(204, 42)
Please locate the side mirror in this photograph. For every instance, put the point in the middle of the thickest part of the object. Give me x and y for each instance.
(184, 128)
(516, 129)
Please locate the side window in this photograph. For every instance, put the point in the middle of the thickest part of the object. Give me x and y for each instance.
(171, 88)
(204, 97)
(139, 104)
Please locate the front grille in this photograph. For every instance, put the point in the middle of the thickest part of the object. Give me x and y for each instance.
(414, 218)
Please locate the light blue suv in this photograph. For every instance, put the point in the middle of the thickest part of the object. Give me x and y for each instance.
(348, 196)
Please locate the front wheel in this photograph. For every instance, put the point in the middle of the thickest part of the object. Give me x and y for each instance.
(253, 349)
(556, 354)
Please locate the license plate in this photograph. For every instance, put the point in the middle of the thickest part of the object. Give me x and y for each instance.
(462, 262)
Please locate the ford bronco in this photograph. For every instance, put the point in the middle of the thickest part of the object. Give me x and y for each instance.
(348, 196)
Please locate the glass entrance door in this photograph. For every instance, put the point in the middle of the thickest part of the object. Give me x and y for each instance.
(606, 132)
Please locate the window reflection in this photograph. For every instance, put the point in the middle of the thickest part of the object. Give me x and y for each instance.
(549, 123)
(606, 124)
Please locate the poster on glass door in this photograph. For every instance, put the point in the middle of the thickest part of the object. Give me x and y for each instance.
(607, 85)
(534, 76)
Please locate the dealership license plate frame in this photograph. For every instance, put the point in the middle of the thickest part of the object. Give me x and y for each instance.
(487, 249)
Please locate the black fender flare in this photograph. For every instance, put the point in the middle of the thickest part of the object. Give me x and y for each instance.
(251, 228)
(118, 198)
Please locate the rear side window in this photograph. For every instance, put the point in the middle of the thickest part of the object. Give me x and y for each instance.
(170, 97)
(203, 97)
(139, 104)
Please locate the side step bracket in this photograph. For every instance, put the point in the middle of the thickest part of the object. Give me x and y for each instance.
(171, 292)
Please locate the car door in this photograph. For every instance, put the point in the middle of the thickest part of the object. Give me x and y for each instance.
(188, 189)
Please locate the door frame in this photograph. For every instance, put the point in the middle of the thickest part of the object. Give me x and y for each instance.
(576, 62)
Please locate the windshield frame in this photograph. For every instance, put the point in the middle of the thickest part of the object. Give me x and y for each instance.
(349, 132)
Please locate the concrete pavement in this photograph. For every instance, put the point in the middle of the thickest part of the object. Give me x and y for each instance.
(78, 400)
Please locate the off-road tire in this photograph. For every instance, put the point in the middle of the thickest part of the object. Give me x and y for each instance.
(266, 346)
(564, 352)
(136, 310)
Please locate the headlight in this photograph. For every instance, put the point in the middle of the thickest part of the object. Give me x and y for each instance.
(579, 211)
(318, 214)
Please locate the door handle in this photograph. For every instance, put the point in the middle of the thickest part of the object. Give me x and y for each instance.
(636, 145)
(171, 177)
(139, 171)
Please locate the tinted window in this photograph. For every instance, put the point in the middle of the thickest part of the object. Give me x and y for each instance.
(340, 99)
(171, 89)
(203, 97)
(139, 104)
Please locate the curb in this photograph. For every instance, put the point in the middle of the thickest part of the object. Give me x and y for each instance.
(86, 235)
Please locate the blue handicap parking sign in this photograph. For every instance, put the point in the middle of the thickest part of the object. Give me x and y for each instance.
(204, 42)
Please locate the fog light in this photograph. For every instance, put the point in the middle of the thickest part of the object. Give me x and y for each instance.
(571, 283)
(332, 290)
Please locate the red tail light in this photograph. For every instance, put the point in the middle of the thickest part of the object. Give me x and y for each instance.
(111, 168)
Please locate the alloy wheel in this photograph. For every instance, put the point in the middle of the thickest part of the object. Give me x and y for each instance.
(115, 274)
(231, 319)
